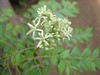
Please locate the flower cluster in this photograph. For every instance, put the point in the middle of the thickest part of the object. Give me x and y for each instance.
(47, 28)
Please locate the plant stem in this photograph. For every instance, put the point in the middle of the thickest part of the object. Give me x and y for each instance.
(17, 70)
(7, 44)
(23, 39)
(3, 71)
(37, 57)
(9, 70)
(38, 67)
(26, 49)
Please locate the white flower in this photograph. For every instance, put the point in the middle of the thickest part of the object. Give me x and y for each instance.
(33, 29)
(67, 33)
(43, 39)
(48, 27)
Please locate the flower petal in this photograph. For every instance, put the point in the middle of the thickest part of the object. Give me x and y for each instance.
(30, 25)
(29, 32)
(45, 42)
(39, 44)
(37, 22)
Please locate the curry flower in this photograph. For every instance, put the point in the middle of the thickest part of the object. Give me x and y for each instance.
(33, 29)
(43, 39)
(47, 27)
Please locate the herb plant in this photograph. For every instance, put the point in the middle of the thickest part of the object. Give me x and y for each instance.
(30, 49)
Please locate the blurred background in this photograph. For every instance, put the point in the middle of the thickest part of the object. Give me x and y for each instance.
(88, 16)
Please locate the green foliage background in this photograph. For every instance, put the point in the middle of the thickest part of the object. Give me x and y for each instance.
(20, 53)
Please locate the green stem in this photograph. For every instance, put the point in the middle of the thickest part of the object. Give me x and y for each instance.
(3, 71)
(23, 39)
(41, 57)
(17, 70)
(35, 50)
(9, 70)
(26, 49)
(8, 44)
(38, 67)
(37, 57)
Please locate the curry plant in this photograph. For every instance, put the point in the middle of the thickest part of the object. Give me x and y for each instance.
(30, 49)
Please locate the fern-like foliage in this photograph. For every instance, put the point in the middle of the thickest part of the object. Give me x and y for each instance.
(19, 50)
(75, 61)
(61, 9)
(5, 14)
(80, 35)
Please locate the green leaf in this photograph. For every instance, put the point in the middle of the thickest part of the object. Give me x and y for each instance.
(31, 72)
(54, 59)
(64, 3)
(20, 45)
(26, 65)
(93, 67)
(29, 53)
(67, 71)
(59, 14)
(6, 49)
(86, 52)
(78, 36)
(55, 5)
(76, 51)
(46, 61)
(69, 8)
(9, 12)
(97, 62)
(61, 67)
(19, 58)
(23, 32)
(5, 14)
(76, 64)
(87, 65)
(46, 69)
(8, 27)
(64, 54)
(80, 39)
(27, 14)
(95, 53)
(58, 49)
(13, 60)
(16, 30)
(1, 31)
(66, 12)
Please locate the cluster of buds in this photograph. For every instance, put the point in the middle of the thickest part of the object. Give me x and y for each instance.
(47, 28)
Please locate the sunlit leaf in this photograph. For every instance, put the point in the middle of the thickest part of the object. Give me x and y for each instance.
(61, 67)
(19, 58)
(64, 54)
(54, 59)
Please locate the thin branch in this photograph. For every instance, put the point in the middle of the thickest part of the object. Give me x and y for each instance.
(17, 70)
(9, 70)
(8, 44)
(38, 67)
(26, 49)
